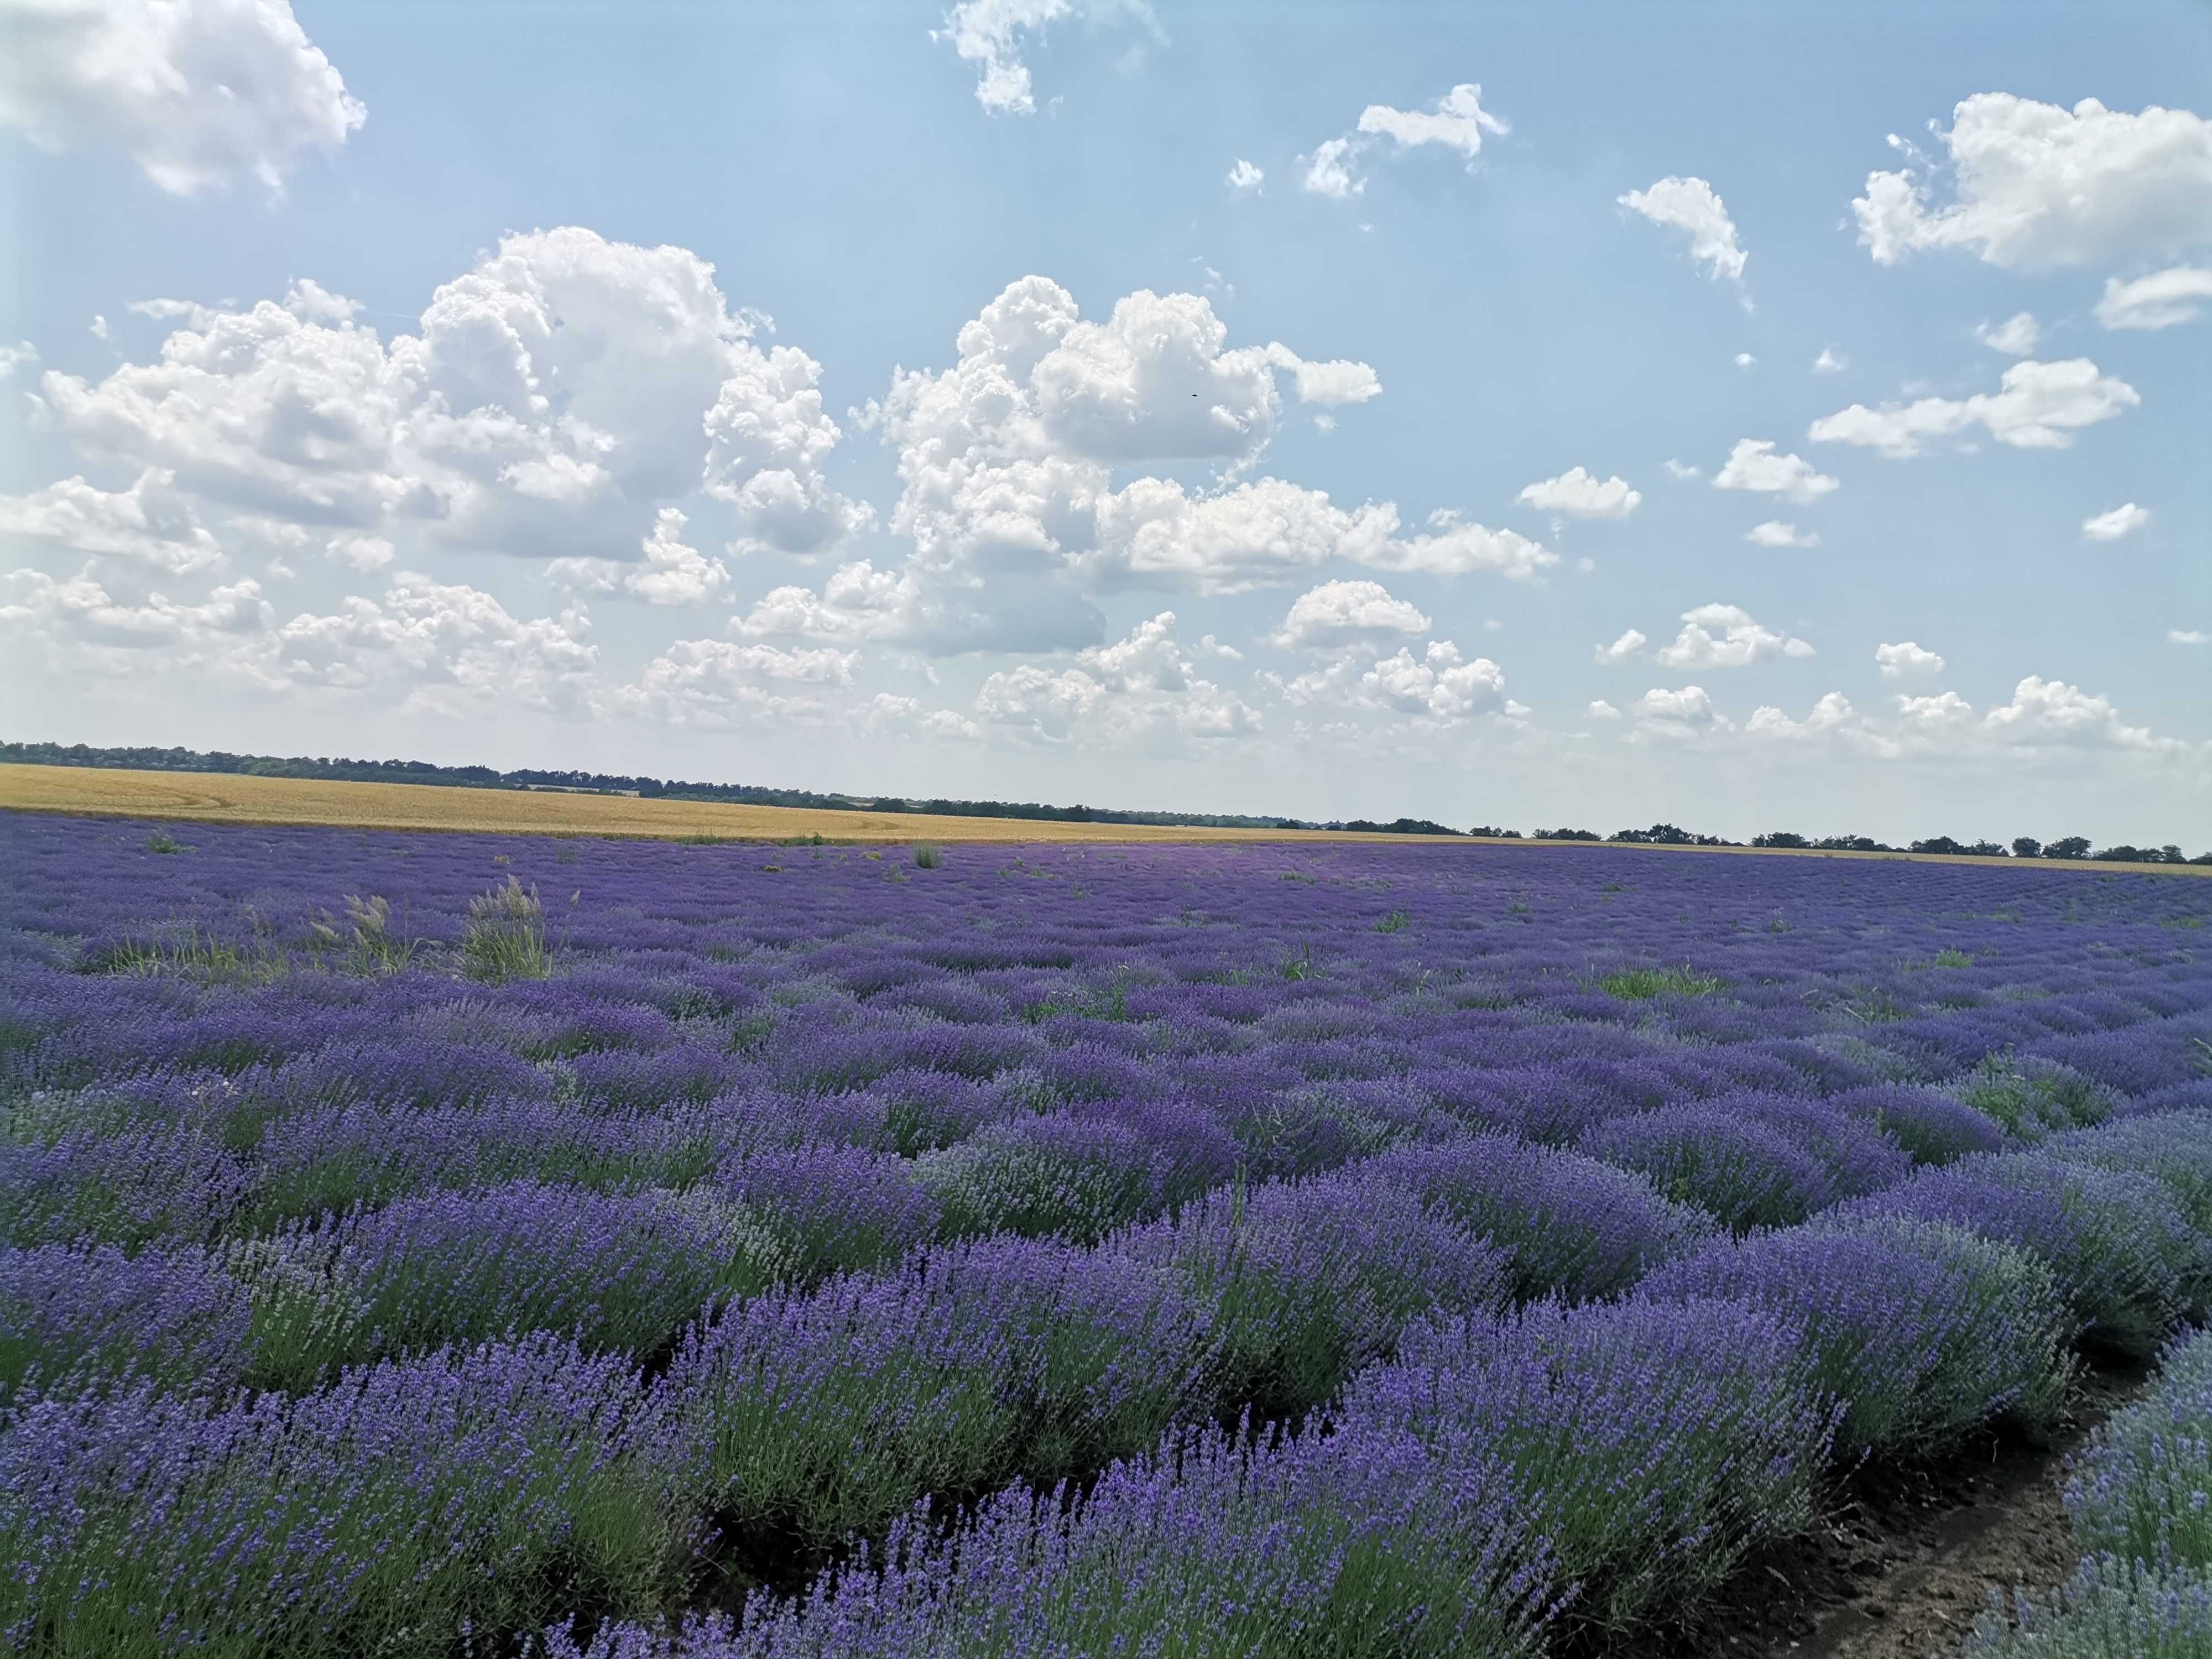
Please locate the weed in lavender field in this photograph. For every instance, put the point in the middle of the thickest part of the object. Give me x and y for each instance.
(505, 936)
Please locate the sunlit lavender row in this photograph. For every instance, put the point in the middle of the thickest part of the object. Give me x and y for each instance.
(443, 1244)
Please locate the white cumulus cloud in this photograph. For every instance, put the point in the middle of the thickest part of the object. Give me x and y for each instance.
(200, 93)
(2186, 636)
(1689, 204)
(1578, 493)
(1629, 644)
(1457, 122)
(1726, 636)
(2037, 185)
(1339, 614)
(1753, 465)
(1907, 660)
(2036, 406)
(2018, 336)
(2122, 521)
(988, 33)
(1773, 532)
(1144, 687)
(150, 522)
(2164, 299)
(1329, 170)
(672, 574)
(1244, 175)
(554, 399)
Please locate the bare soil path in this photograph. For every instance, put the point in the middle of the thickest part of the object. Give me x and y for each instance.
(1906, 1559)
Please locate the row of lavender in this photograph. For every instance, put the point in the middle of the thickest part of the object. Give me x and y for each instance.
(272, 1140)
(2139, 1504)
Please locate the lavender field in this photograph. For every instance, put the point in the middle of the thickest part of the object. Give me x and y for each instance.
(460, 1244)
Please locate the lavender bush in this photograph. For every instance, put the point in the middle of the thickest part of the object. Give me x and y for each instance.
(1922, 1332)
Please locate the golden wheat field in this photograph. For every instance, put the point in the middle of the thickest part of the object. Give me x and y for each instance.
(215, 798)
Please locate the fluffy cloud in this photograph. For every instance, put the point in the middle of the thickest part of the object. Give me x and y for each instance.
(1008, 458)
(1726, 636)
(80, 615)
(718, 683)
(1752, 464)
(987, 34)
(1773, 532)
(150, 522)
(557, 396)
(1328, 172)
(1906, 661)
(198, 93)
(1457, 122)
(1681, 470)
(1602, 710)
(858, 602)
(2018, 336)
(2122, 521)
(1339, 614)
(1144, 687)
(1439, 685)
(449, 648)
(1629, 644)
(1244, 176)
(1452, 548)
(1154, 535)
(1830, 361)
(2044, 713)
(13, 357)
(2043, 717)
(1683, 714)
(2186, 636)
(1689, 204)
(1832, 716)
(2036, 406)
(1575, 492)
(2161, 300)
(672, 574)
(2039, 186)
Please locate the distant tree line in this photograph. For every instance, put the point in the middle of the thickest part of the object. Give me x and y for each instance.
(340, 769)
(344, 770)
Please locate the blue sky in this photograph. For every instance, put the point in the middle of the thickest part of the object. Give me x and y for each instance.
(417, 503)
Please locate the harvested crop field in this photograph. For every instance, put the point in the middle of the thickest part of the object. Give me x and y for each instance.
(221, 798)
(460, 1243)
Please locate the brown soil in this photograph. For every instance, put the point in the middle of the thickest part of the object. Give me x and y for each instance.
(1906, 1558)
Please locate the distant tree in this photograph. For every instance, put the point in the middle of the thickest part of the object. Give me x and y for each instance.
(1937, 844)
(2124, 854)
(1494, 833)
(2172, 853)
(2026, 847)
(1568, 834)
(2067, 847)
(1780, 838)
(1851, 844)
(1986, 849)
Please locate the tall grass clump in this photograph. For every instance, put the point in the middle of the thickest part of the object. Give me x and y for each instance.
(927, 856)
(374, 947)
(504, 937)
(1644, 984)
